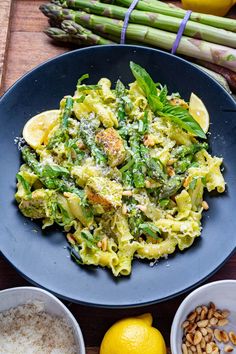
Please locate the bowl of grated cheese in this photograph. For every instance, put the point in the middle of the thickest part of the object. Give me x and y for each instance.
(33, 321)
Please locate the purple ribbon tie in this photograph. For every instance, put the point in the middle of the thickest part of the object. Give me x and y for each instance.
(126, 21)
(180, 31)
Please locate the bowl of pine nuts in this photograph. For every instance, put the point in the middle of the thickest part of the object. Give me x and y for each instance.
(205, 322)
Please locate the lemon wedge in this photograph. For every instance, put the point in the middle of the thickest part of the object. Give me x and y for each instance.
(37, 129)
(199, 112)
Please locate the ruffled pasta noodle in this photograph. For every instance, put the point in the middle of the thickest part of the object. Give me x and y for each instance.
(122, 180)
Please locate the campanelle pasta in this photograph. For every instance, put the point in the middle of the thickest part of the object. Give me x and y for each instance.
(122, 170)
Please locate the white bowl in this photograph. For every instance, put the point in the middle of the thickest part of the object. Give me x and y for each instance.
(222, 293)
(18, 296)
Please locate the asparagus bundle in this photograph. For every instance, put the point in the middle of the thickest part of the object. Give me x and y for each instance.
(69, 30)
(199, 49)
(164, 8)
(174, 11)
(208, 40)
(172, 24)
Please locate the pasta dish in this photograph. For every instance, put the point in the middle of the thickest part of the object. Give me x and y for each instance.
(122, 170)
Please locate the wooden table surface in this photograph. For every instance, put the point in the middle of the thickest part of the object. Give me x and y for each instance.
(28, 47)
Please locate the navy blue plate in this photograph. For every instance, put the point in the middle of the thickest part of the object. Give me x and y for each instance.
(42, 257)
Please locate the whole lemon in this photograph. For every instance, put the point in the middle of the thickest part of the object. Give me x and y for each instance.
(134, 335)
(213, 7)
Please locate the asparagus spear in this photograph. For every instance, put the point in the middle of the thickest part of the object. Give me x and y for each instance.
(85, 35)
(61, 36)
(172, 24)
(185, 155)
(139, 167)
(67, 111)
(154, 166)
(61, 134)
(63, 185)
(188, 46)
(171, 187)
(182, 151)
(71, 32)
(170, 10)
(87, 132)
(120, 93)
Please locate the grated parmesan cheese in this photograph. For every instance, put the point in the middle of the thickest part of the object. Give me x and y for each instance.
(20, 142)
(28, 329)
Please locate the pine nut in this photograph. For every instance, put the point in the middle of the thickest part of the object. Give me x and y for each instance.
(232, 337)
(127, 193)
(203, 331)
(228, 349)
(205, 205)
(199, 349)
(213, 321)
(223, 322)
(210, 313)
(218, 315)
(189, 338)
(191, 317)
(224, 336)
(185, 324)
(217, 334)
(184, 349)
(142, 207)
(124, 209)
(104, 244)
(197, 338)
(202, 323)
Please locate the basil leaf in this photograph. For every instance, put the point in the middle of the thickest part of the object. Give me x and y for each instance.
(82, 78)
(193, 183)
(80, 99)
(160, 105)
(65, 216)
(89, 239)
(163, 94)
(54, 171)
(74, 252)
(204, 182)
(150, 229)
(182, 118)
(82, 87)
(164, 202)
(24, 183)
(120, 89)
(147, 85)
(88, 87)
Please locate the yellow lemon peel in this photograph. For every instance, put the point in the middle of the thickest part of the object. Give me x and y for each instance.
(37, 129)
(199, 112)
(133, 335)
(213, 7)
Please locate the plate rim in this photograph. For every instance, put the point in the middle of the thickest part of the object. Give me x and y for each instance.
(130, 305)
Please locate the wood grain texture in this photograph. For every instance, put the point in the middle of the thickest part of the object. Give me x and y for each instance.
(5, 10)
(92, 350)
(28, 47)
